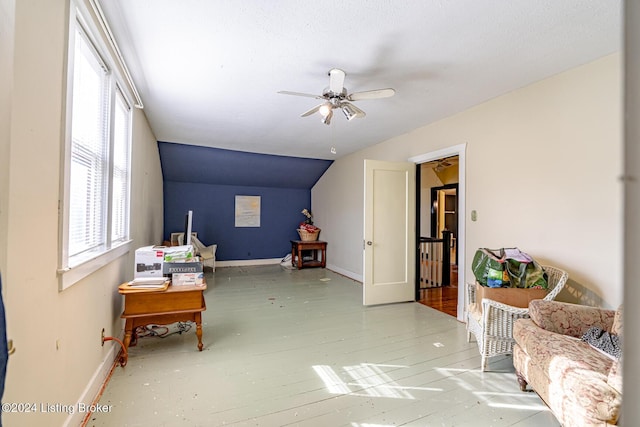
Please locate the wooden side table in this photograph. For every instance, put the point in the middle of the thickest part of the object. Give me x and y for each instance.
(315, 246)
(175, 304)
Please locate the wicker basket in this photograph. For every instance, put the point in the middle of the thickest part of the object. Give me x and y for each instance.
(308, 236)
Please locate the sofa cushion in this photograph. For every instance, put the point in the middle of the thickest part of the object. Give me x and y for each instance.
(524, 330)
(615, 376)
(558, 353)
(616, 328)
(569, 319)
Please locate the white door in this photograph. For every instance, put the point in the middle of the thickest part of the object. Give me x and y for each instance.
(389, 232)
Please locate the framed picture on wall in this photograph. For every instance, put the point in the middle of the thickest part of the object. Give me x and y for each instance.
(247, 213)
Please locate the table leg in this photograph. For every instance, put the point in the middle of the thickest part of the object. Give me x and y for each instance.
(293, 255)
(128, 331)
(198, 319)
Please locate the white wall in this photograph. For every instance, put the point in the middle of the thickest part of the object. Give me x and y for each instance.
(543, 164)
(58, 356)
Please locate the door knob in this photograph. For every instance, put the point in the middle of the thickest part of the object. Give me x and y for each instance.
(369, 242)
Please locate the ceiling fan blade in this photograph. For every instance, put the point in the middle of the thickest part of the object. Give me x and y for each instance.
(308, 95)
(372, 94)
(311, 111)
(336, 80)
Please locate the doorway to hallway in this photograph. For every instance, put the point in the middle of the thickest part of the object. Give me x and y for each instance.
(440, 229)
(444, 298)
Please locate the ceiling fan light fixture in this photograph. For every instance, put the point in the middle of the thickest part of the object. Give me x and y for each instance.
(325, 109)
(349, 112)
(327, 119)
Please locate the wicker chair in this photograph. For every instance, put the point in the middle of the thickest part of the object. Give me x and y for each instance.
(494, 331)
(206, 253)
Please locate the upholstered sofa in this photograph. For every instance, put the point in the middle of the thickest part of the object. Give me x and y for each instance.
(581, 384)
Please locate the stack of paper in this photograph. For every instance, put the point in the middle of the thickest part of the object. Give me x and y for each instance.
(148, 282)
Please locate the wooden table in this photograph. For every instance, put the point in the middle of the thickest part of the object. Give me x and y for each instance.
(175, 304)
(298, 246)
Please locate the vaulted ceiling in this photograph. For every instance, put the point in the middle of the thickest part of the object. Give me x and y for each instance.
(208, 72)
(206, 165)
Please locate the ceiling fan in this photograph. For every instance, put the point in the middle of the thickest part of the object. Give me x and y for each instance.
(336, 96)
(441, 164)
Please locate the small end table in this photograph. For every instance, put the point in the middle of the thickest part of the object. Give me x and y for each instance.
(175, 304)
(315, 246)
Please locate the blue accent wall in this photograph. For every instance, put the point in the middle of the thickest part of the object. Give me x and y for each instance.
(207, 180)
(213, 209)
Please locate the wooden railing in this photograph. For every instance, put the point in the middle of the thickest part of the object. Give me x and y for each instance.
(435, 261)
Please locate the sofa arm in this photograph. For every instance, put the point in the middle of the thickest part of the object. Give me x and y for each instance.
(569, 319)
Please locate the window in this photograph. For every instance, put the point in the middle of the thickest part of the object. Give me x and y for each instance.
(95, 214)
(120, 174)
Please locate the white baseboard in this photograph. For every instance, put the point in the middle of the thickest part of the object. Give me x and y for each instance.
(95, 385)
(347, 273)
(245, 262)
(270, 261)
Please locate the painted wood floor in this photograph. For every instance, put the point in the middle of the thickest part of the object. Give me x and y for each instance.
(297, 348)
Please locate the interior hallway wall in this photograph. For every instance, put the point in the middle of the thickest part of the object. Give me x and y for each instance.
(428, 180)
(58, 356)
(542, 172)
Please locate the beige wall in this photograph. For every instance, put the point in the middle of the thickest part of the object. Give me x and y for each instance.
(6, 76)
(542, 169)
(58, 356)
(428, 179)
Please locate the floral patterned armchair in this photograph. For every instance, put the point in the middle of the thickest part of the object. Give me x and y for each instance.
(581, 384)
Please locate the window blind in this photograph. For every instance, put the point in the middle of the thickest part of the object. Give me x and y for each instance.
(89, 150)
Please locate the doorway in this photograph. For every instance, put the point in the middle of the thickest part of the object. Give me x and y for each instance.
(444, 216)
(440, 213)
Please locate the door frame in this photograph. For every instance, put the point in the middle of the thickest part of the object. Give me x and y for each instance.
(454, 150)
(434, 224)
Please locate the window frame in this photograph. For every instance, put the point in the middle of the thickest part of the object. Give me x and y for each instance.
(72, 269)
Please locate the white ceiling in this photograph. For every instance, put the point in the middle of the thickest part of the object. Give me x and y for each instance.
(208, 71)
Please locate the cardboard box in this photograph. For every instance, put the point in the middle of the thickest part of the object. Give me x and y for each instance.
(178, 253)
(149, 260)
(183, 279)
(515, 297)
(192, 266)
